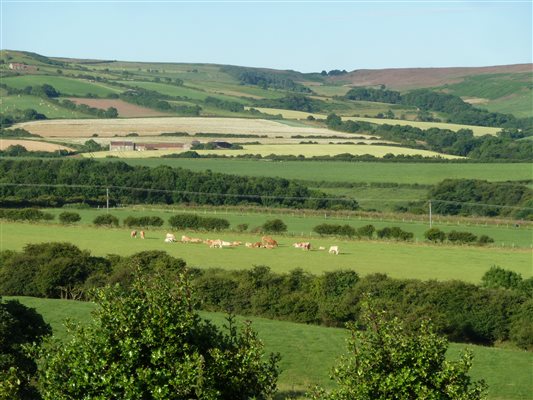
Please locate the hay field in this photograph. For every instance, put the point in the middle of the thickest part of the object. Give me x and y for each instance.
(310, 150)
(307, 150)
(32, 145)
(156, 126)
(478, 130)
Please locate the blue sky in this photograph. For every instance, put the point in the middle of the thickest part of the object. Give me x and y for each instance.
(304, 36)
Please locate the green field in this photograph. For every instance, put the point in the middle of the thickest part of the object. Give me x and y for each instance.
(309, 352)
(506, 93)
(302, 225)
(182, 91)
(22, 102)
(336, 171)
(398, 260)
(66, 86)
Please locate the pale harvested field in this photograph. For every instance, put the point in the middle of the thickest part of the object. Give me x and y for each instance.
(156, 126)
(32, 145)
(308, 150)
(477, 130)
(125, 110)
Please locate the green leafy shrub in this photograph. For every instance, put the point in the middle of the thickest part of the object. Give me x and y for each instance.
(274, 226)
(67, 217)
(195, 222)
(25, 214)
(461, 237)
(330, 229)
(387, 361)
(394, 233)
(435, 235)
(484, 239)
(106, 220)
(142, 222)
(147, 342)
(366, 231)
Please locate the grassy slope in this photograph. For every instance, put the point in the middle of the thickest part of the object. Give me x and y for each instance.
(309, 352)
(66, 86)
(507, 93)
(398, 260)
(370, 172)
(22, 102)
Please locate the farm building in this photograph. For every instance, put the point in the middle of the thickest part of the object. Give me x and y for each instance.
(20, 67)
(160, 146)
(121, 146)
(130, 146)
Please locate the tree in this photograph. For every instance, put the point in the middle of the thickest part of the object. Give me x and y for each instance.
(274, 226)
(497, 277)
(147, 342)
(19, 326)
(386, 361)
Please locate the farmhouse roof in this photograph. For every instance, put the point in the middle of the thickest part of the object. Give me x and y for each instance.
(121, 143)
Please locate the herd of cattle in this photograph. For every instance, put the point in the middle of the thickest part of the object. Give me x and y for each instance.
(266, 242)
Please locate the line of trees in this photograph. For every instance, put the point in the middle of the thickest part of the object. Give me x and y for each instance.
(264, 79)
(134, 185)
(498, 310)
(462, 196)
(504, 146)
(457, 110)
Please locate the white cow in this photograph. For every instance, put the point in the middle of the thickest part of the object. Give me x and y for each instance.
(334, 250)
(170, 238)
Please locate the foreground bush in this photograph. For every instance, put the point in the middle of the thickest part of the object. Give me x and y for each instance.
(19, 326)
(147, 342)
(386, 361)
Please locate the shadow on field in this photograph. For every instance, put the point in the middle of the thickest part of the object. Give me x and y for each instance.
(290, 394)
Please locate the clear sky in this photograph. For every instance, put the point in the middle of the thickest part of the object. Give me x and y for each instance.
(304, 36)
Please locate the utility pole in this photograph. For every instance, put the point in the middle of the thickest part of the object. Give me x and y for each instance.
(430, 216)
(107, 199)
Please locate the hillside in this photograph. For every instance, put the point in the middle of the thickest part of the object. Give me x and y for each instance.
(463, 104)
(414, 78)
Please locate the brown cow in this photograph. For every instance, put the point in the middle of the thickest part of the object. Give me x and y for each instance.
(133, 234)
(142, 234)
(268, 241)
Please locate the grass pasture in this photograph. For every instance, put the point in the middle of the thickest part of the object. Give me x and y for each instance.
(398, 260)
(182, 91)
(66, 86)
(9, 104)
(338, 171)
(309, 352)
